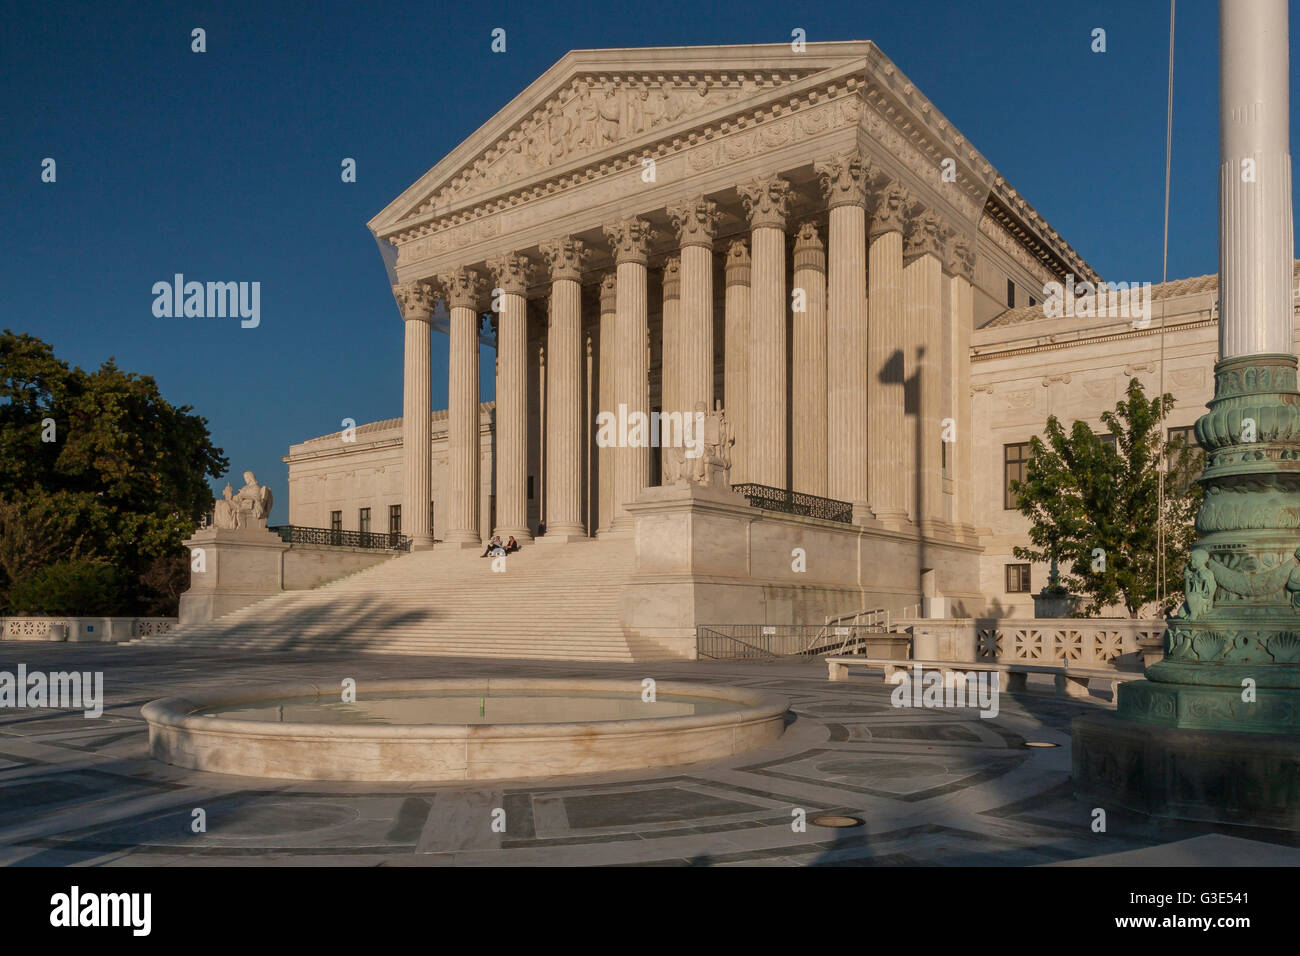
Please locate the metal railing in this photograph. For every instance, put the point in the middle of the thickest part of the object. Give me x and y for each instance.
(770, 641)
(380, 541)
(880, 616)
(793, 503)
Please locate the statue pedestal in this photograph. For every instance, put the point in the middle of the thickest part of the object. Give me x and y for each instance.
(1055, 604)
(231, 569)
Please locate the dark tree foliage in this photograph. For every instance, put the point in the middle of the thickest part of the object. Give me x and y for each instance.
(97, 470)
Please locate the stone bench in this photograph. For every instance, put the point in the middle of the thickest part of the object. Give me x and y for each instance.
(1070, 681)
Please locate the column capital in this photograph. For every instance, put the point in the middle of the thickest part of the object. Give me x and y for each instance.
(844, 179)
(738, 263)
(673, 277)
(415, 299)
(608, 292)
(927, 235)
(510, 272)
(630, 239)
(767, 201)
(961, 259)
(565, 256)
(889, 207)
(462, 287)
(696, 222)
(809, 251)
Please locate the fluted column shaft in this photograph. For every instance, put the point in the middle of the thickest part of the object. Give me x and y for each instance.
(923, 308)
(1256, 237)
(462, 500)
(889, 458)
(630, 239)
(696, 223)
(564, 391)
(766, 202)
(510, 275)
(808, 366)
(736, 356)
(608, 346)
(416, 301)
(962, 302)
(670, 371)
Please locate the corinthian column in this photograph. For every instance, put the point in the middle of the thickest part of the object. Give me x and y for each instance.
(696, 222)
(463, 287)
(564, 256)
(888, 457)
(510, 273)
(736, 356)
(843, 179)
(605, 402)
(669, 377)
(630, 239)
(808, 367)
(961, 268)
(766, 203)
(923, 252)
(416, 302)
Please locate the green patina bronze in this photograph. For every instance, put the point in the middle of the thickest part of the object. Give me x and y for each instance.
(1232, 652)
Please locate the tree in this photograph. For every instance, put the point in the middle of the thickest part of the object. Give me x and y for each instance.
(1093, 504)
(98, 466)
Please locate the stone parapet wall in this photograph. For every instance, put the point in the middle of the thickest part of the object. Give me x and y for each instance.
(83, 629)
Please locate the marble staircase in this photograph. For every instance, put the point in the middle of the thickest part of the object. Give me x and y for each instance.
(552, 601)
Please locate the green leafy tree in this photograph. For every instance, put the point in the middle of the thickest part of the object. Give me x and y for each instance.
(69, 587)
(122, 482)
(1093, 504)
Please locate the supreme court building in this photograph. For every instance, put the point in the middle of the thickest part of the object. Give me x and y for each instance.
(799, 238)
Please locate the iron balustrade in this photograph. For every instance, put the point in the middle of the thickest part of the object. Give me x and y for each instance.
(770, 641)
(794, 503)
(378, 540)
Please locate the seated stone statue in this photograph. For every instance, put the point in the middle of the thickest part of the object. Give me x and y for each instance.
(705, 457)
(225, 513)
(254, 501)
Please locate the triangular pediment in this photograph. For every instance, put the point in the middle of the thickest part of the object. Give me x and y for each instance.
(604, 102)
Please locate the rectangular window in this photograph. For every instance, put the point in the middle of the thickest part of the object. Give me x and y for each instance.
(1011, 294)
(1017, 579)
(1109, 441)
(1178, 440)
(363, 519)
(394, 519)
(336, 520)
(1014, 459)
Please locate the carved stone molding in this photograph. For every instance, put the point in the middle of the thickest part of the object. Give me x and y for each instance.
(415, 299)
(510, 273)
(843, 179)
(1135, 368)
(696, 222)
(739, 262)
(889, 205)
(565, 257)
(926, 235)
(961, 259)
(767, 201)
(463, 288)
(673, 277)
(984, 389)
(1050, 380)
(608, 289)
(809, 251)
(629, 239)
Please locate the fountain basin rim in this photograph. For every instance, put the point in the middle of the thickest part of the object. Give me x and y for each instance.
(178, 712)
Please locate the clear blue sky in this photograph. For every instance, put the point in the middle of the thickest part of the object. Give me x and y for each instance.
(225, 165)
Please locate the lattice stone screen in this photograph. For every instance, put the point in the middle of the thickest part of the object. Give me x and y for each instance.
(1065, 641)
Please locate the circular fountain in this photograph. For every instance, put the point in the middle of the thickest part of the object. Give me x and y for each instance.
(423, 730)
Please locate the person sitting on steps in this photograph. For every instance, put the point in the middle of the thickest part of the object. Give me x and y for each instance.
(494, 543)
(512, 545)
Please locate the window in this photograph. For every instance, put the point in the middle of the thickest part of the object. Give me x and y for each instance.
(1011, 294)
(1184, 459)
(363, 520)
(1017, 579)
(1014, 459)
(394, 519)
(430, 517)
(1109, 441)
(336, 520)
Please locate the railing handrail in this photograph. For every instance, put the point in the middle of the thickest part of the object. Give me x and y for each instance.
(785, 640)
(330, 537)
(784, 501)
